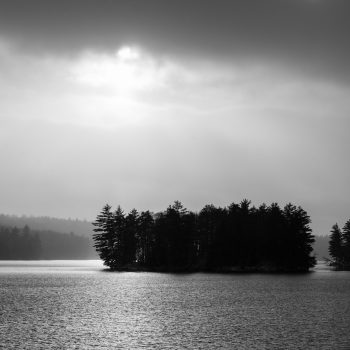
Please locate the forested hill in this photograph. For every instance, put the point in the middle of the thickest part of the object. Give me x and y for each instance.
(44, 223)
(26, 244)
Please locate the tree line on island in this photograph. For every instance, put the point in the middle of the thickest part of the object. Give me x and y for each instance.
(339, 247)
(239, 237)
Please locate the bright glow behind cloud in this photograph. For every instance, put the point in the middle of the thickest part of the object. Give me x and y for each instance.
(124, 72)
(162, 129)
(126, 86)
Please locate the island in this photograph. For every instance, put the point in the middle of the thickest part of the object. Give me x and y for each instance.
(237, 238)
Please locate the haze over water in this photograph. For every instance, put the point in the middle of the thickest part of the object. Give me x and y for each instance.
(79, 305)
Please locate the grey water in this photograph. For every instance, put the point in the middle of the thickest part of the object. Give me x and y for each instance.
(78, 305)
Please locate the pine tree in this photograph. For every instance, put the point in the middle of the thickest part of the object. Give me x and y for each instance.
(120, 254)
(336, 246)
(131, 232)
(104, 236)
(346, 244)
(303, 239)
(145, 239)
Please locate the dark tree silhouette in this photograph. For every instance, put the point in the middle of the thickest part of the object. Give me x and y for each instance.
(336, 246)
(339, 247)
(237, 238)
(209, 223)
(145, 239)
(346, 244)
(104, 236)
(130, 236)
(298, 243)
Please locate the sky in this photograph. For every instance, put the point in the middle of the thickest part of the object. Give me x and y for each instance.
(140, 103)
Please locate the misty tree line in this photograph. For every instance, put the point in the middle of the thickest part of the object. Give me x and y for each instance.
(45, 223)
(19, 244)
(339, 246)
(26, 244)
(237, 237)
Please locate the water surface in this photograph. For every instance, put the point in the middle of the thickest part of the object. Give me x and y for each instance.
(78, 305)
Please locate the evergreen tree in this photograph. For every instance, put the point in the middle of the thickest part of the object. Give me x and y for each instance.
(346, 244)
(145, 239)
(208, 224)
(104, 237)
(120, 240)
(173, 231)
(336, 246)
(299, 238)
(159, 257)
(275, 246)
(246, 232)
(131, 232)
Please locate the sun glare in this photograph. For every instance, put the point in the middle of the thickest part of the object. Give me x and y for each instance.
(128, 53)
(123, 73)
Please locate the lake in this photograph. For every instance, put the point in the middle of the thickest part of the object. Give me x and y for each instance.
(79, 305)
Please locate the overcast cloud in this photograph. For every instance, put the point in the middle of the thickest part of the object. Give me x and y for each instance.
(140, 103)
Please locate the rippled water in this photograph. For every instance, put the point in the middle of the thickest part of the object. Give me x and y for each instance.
(78, 305)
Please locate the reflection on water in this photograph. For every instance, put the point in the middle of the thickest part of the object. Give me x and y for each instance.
(77, 305)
